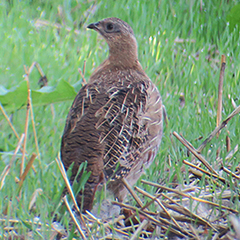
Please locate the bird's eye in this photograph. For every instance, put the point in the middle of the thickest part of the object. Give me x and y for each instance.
(109, 27)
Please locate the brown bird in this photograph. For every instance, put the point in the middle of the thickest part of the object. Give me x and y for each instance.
(115, 122)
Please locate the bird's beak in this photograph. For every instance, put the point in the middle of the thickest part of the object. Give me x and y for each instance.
(93, 26)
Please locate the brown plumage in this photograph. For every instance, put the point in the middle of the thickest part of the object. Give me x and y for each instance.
(115, 122)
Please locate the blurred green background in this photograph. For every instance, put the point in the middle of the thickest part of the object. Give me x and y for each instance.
(180, 47)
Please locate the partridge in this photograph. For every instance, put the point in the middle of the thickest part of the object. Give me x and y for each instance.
(115, 123)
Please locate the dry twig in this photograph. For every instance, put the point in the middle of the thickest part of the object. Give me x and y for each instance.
(220, 91)
(74, 218)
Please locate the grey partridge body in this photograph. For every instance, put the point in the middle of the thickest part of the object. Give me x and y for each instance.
(115, 122)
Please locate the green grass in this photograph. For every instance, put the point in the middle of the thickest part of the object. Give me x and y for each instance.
(191, 68)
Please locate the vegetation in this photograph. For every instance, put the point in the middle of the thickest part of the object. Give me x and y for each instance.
(180, 46)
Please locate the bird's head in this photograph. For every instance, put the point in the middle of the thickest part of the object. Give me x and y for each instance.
(120, 39)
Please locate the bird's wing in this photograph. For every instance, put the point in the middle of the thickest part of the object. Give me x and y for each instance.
(106, 125)
(121, 123)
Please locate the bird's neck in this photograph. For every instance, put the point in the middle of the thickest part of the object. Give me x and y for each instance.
(123, 57)
(111, 65)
